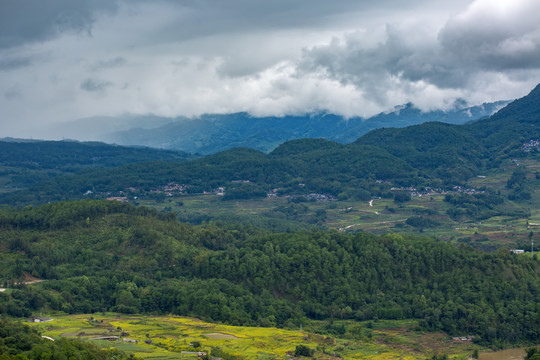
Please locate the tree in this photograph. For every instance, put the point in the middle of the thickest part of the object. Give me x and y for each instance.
(401, 197)
(302, 350)
(532, 354)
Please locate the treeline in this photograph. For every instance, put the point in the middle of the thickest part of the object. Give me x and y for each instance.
(124, 259)
(20, 342)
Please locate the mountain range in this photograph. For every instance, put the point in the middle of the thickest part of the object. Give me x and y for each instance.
(211, 133)
(431, 154)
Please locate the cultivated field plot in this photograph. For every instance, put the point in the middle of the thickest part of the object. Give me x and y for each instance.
(166, 337)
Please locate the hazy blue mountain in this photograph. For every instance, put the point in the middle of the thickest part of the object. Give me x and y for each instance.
(213, 133)
(98, 128)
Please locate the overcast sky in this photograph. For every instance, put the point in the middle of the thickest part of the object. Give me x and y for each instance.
(63, 59)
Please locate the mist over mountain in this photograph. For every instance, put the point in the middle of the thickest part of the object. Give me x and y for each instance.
(212, 133)
(99, 128)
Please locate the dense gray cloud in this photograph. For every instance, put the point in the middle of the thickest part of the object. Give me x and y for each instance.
(63, 59)
(30, 21)
(496, 36)
(12, 63)
(487, 39)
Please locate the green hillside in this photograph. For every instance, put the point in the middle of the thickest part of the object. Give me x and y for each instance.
(341, 169)
(107, 256)
(25, 163)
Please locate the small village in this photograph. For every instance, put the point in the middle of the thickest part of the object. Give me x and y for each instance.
(173, 189)
(531, 145)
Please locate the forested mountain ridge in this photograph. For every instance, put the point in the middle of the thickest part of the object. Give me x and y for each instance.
(444, 151)
(24, 163)
(108, 256)
(464, 149)
(211, 133)
(74, 154)
(514, 124)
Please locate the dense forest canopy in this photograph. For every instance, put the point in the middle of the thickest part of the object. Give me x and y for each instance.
(73, 155)
(26, 163)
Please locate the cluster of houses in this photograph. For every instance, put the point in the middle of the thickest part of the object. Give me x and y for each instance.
(419, 193)
(428, 191)
(468, 338)
(531, 145)
(320, 197)
(219, 191)
(173, 188)
(39, 319)
(273, 194)
(463, 190)
(409, 189)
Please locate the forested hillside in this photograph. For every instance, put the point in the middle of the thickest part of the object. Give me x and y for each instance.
(20, 342)
(510, 127)
(445, 152)
(107, 256)
(350, 170)
(25, 163)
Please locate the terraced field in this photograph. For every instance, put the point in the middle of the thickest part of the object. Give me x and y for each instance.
(172, 337)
